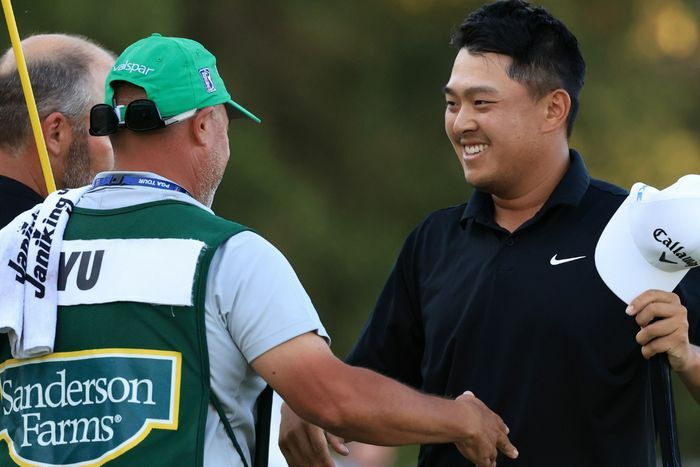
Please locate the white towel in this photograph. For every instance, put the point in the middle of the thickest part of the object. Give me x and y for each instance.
(30, 247)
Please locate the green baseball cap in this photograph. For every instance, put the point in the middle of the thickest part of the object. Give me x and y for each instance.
(177, 74)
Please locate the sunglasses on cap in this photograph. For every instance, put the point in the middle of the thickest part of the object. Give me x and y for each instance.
(140, 115)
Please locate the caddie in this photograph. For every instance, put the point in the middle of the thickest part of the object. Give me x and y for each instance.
(142, 328)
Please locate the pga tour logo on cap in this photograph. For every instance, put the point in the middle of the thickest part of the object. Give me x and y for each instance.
(653, 239)
(206, 77)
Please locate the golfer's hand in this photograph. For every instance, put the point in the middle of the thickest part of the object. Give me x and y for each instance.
(304, 444)
(669, 330)
(488, 434)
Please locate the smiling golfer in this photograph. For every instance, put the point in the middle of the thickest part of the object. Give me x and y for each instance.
(501, 295)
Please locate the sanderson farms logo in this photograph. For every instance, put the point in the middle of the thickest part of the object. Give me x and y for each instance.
(86, 408)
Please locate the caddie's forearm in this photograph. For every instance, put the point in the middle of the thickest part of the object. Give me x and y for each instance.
(690, 375)
(356, 403)
(371, 408)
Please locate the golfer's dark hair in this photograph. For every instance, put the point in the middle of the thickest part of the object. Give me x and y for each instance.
(60, 83)
(545, 53)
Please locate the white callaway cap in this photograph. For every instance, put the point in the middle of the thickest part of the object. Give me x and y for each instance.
(653, 239)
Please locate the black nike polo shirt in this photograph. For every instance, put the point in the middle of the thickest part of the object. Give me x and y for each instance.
(524, 321)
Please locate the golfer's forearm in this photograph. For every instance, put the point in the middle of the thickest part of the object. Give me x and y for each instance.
(365, 406)
(691, 374)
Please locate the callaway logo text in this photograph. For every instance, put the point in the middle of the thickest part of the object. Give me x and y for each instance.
(676, 248)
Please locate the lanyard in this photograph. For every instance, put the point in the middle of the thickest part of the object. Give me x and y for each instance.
(121, 180)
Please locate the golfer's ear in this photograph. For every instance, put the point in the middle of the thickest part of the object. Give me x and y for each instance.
(557, 108)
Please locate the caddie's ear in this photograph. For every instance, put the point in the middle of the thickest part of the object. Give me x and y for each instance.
(558, 106)
(58, 135)
(202, 126)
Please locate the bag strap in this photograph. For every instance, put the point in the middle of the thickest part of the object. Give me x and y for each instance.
(262, 428)
(227, 426)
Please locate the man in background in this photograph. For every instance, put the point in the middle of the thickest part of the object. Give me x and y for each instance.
(67, 74)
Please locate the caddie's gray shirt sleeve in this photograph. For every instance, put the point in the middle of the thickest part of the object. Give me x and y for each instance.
(258, 295)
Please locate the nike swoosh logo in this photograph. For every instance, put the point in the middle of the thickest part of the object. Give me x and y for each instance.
(556, 262)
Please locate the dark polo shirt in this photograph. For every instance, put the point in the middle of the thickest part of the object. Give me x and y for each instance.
(540, 340)
(15, 198)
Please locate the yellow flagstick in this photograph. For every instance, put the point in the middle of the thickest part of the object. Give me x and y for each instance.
(29, 97)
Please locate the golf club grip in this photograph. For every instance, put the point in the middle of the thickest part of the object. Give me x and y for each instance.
(664, 410)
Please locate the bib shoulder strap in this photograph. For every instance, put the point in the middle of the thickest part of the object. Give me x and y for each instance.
(227, 426)
(262, 428)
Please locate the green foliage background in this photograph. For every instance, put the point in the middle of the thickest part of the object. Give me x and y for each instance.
(352, 153)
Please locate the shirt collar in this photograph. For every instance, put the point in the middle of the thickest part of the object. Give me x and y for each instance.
(569, 191)
(18, 188)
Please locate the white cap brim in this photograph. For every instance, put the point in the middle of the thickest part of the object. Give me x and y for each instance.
(621, 265)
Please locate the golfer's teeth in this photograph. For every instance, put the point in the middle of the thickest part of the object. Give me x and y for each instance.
(475, 149)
